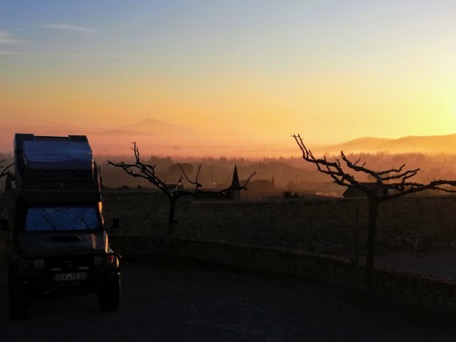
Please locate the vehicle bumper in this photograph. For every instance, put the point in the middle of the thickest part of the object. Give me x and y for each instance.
(57, 277)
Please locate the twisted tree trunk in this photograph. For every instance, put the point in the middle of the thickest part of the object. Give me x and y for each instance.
(371, 237)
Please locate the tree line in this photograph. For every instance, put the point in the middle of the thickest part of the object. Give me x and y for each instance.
(272, 174)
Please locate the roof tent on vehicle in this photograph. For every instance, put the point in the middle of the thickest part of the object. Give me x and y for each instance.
(54, 163)
(62, 155)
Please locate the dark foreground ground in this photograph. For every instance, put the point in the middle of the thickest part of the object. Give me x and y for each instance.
(184, 301)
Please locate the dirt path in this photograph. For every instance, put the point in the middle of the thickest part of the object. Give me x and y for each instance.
(183, 301)
(438, 262)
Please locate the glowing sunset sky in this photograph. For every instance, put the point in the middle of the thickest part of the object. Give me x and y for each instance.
(330, 70)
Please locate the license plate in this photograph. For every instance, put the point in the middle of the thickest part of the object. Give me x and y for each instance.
(70, 276)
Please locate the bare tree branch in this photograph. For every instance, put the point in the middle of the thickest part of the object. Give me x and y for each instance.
(145, 171)
(394, 181)
(248, 180)
(195, 182)
(389, 184)
(5, 169)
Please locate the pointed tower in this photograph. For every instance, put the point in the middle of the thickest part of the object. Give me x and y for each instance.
(235, 187)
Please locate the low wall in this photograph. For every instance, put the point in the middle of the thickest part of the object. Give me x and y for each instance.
(405, 287)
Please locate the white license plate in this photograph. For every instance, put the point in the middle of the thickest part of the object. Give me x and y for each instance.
(70, 276)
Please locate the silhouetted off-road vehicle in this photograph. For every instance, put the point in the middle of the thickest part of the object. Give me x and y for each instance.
(57, 239)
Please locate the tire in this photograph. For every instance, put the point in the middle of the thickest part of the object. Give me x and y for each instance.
(109, 295)
(19, 304)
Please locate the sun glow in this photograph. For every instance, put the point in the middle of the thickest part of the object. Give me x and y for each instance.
(374, 69)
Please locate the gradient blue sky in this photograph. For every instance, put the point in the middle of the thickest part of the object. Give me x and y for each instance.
(330, 70)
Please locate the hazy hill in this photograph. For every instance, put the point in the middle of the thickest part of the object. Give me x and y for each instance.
(161, 138)
(149, 127)
(423, 144)
(192, 140)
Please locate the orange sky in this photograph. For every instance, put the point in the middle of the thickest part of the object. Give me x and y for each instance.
(236, 73)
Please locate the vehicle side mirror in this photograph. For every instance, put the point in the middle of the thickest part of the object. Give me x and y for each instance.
(4, 225)
(115, 223)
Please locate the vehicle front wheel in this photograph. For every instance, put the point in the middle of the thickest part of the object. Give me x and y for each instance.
(109, 295)
(19, 304)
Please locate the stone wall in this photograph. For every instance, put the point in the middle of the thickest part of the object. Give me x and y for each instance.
(287, 237)
(405, 287)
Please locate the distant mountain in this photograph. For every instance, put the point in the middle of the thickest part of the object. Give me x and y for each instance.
(424, 144)
(360, 144)
(157, 128)
(150, 127)
(161, 138)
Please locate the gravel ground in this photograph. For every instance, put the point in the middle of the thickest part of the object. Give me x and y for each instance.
(438, 262)
(184, 301)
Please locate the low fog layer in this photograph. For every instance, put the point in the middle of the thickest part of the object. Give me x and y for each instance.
(272, 174)
(277, 174)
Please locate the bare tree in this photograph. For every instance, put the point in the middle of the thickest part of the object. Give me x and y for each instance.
(5, 169)
(147, 171)
(390, 184)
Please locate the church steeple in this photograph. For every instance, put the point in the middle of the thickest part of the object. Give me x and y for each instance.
(235, 186)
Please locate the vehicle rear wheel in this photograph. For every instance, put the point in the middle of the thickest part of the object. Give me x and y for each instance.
(109, 295)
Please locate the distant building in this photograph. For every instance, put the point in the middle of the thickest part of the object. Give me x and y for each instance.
(233, 192)
(235, 187)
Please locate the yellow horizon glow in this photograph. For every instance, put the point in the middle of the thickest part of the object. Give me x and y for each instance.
(371, 70)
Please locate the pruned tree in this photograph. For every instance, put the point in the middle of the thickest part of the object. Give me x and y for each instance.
(147, 171)
(390, 184)
(5, 169)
